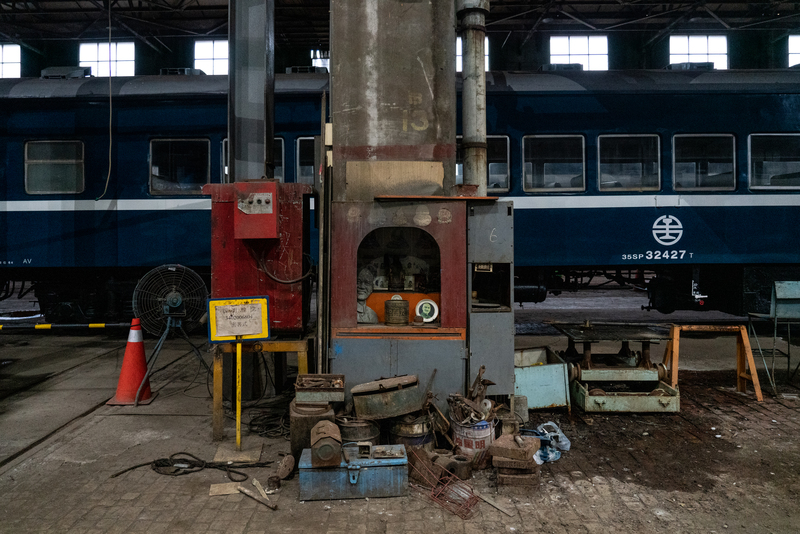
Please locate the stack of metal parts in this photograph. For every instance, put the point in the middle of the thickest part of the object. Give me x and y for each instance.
(475, 407)
(314, 395)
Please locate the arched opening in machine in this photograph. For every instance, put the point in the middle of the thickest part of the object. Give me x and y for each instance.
(398, 261)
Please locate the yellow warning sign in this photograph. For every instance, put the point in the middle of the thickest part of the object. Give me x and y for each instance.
(242, 319)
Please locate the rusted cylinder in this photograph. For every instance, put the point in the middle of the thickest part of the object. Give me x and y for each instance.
(396, 312)
(472, 16)
(355, 430)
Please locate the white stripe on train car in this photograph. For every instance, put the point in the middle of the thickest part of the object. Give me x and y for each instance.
(148, 204)
(653, 201)
(110, 205)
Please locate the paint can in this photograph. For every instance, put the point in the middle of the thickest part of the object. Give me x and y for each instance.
(474, 438)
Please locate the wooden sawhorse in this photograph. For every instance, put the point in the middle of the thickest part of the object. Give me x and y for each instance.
(744, 355)
(300, 346)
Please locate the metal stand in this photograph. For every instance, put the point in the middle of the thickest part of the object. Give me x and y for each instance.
(775, 350)
(172, 325)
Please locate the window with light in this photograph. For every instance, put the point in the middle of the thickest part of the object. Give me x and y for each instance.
(460, 55)
(589, 51)
(211, 56)
(794, 50)
(699, 49)
(109, 59)
(10, 61)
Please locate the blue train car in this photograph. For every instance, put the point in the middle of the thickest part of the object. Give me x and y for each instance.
(693, 176)
(84, 229)
(687, 181)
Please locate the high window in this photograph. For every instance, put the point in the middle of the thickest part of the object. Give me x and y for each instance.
(699, 49)
(109, 59)
(794, 50)
(211, 56)
(460, 54)
(320, 58)
(10, 61)
(591, 52)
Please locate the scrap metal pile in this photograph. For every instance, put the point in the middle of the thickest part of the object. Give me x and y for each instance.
(475, 407)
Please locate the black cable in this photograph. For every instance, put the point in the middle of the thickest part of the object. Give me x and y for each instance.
(183, 463)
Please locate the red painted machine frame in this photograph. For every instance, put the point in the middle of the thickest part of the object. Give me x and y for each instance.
(241, 267)
(446, 222)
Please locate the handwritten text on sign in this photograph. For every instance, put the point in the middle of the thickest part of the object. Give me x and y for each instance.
(238, 319)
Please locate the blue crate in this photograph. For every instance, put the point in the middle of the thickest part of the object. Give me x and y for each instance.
(357, 478)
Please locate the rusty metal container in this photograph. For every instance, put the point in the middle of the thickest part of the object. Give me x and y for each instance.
(302, 419)
(326, 445)
(412, 431)
(356, 430)
(396, 311)
(387, 398)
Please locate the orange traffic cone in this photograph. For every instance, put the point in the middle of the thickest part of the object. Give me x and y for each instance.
(134, 369)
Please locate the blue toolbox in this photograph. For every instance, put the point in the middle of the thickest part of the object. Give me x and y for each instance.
(365, 471)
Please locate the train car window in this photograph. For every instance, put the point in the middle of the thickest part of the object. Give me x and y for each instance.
(277, 154)
(54, 167)
(553, 163)
(179, 166)
(703, 162)
(497, 155)
(774, 161)
(629, 162)
(305, 160)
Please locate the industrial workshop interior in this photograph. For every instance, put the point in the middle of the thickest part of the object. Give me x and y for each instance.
(399, 266)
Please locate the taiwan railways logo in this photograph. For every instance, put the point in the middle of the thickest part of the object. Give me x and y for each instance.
(667, 230)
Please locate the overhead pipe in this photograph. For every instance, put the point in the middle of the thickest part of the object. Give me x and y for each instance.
(472, 14)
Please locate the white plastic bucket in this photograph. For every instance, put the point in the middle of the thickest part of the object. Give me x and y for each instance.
(474, 438)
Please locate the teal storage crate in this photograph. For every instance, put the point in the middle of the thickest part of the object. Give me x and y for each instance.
(383, 474)
(542, 376)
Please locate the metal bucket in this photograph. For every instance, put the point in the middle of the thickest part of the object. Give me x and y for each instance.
(413, 432)
(355, 430)
(396, 311)
(473, 438)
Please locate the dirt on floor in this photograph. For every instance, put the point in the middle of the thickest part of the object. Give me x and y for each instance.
(725, 463)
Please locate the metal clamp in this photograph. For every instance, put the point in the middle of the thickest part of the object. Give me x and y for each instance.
(353, 471)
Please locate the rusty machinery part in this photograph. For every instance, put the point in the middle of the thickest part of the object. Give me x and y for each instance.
(662, 371)
(326, 445)
(573, 371)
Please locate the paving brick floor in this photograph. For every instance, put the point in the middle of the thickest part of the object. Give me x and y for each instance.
(624, 473)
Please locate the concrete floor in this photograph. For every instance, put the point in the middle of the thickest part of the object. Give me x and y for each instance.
(697, 471)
